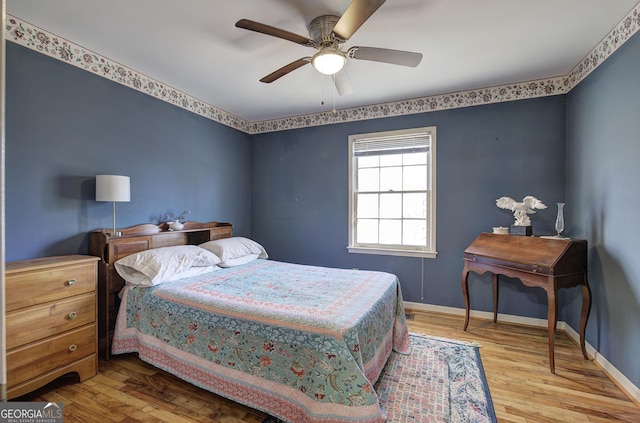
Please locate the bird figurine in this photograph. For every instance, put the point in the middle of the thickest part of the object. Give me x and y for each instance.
(521, 210)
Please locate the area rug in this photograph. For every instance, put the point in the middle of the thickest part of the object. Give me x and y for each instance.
(442, 380)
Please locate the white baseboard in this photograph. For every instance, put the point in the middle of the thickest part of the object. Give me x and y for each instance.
(610, 370)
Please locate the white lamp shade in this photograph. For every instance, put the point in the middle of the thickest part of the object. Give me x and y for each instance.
(113, 188)
(328, 61)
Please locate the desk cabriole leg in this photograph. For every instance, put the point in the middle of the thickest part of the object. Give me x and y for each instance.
(465, 294)
(495, 296)
(584, 314)
(552, 318)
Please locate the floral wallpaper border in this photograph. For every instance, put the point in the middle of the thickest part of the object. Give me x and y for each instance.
(32, 37)
(612, 42)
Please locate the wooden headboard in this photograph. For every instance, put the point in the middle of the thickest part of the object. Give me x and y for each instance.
(133, 240)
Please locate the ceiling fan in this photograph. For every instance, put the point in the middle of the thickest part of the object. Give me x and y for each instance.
(327, 34)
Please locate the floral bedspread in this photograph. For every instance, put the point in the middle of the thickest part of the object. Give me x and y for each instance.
(302, 343)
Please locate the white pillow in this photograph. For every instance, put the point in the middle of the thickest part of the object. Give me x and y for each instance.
(239, 260)
(193, 271)
(157, 265)
(234, 248)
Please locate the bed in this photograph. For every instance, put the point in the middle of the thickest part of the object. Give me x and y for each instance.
(302, 343)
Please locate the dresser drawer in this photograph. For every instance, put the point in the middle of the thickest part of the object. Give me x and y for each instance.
(26, 288)
(85, 368)
(43, 356)
(38, 322)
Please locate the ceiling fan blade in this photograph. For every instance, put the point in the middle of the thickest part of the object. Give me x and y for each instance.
(285, 70)
(356, 14)
(274, 32)
(396, 57)
(342, 82)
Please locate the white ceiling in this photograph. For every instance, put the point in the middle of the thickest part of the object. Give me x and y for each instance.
(194, 46)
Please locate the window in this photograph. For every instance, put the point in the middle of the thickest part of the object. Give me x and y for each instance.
(392, 193)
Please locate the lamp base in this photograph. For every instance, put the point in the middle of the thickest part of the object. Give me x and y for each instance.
(115, 233)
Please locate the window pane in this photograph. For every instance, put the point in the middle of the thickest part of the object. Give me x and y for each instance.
(414, 232)
(391, 179)
(414, 206)
(390, 232)
(414, 158)
(368, 161)
(391, 160)
(367, 206)
(415, 178)
(369, 179)
(367, 231)
(391, 206)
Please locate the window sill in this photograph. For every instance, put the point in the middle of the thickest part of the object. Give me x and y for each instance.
(392, 252)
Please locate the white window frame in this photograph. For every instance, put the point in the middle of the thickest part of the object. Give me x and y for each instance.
(381, 249)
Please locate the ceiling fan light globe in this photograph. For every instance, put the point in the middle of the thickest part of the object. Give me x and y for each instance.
(328, 61)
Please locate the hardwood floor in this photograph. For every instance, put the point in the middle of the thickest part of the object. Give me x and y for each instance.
(514, 358)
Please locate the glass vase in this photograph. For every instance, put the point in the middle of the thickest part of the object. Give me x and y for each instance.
(560, 220)
(176, 225)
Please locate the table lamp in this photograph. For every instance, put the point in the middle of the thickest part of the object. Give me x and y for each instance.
(114, 188)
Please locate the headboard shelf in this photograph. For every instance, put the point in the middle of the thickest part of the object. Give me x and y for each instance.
(143, 237)
(133, 240)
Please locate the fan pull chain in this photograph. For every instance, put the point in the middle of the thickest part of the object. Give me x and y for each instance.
(334, 111)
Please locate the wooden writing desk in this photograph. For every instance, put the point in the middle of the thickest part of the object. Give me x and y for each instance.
(550, 264)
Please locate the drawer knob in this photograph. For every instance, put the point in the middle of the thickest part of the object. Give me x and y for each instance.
(73, 347)
(72, 315)
(71, 282)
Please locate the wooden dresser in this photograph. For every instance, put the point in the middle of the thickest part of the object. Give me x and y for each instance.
(51, 321)
(546, 263)
(133, 240)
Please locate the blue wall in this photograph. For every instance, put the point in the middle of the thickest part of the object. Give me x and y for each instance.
(300, 194)
(288, 189)
(603, 174)
(65, 125)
